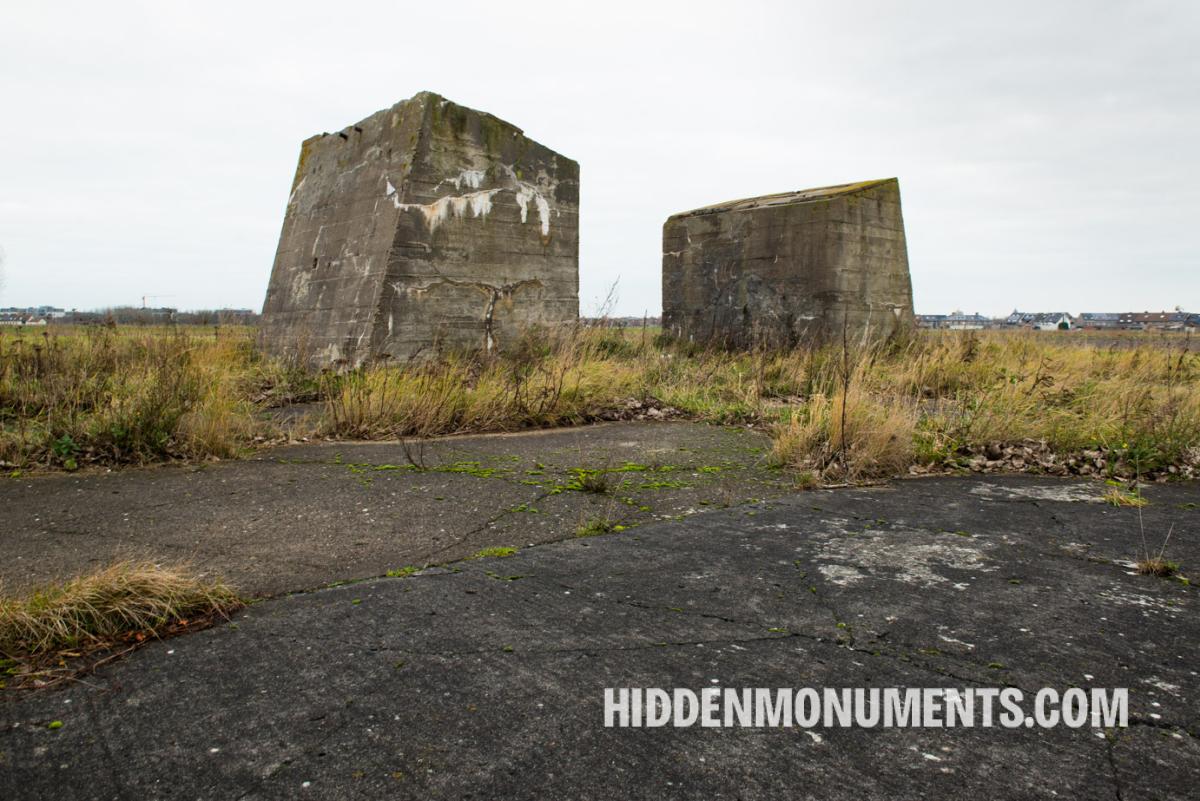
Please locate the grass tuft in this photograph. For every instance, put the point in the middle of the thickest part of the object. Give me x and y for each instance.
(104, 606)
(598, 482)
(1116, 496)
(1156, 566)
(594, 527)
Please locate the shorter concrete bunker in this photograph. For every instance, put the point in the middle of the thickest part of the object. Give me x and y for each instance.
(425, 227)
(802, 266)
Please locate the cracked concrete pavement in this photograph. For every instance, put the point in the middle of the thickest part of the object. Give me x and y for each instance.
(485, 678)
(299, 517)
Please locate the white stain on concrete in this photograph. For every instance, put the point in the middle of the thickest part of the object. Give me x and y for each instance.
(898, 558)
(1148, 603)
(841, 575)
(292, 197)
(527, 192)
(954, 641)
(479, 202)
(440, 210)
(1165, 686)
(1066, 493)
(471, 179)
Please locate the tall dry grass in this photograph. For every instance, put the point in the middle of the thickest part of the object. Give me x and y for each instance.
(941, 396)
(850, 435)
(140, 395)
(69, 397)
(545, 379)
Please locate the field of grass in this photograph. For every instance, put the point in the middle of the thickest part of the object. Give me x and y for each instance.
(1051, 401)
(97, 395)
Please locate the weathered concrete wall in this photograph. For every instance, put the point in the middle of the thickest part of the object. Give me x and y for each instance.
(425, 227)
(781, 269)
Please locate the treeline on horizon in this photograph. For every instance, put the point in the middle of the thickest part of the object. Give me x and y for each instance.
(134, 315)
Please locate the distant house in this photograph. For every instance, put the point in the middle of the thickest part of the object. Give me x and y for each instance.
(30, 315)
(1162, 321)
(1099, 320)
(956, 321)
(1040, 321)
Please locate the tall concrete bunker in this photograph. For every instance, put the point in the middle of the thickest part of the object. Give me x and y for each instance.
(781, 269)
(425, 227)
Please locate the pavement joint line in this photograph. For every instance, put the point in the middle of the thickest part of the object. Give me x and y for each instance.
(466, 559)
(482, 527)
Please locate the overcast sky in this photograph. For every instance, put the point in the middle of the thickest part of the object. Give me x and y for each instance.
(1047, 152)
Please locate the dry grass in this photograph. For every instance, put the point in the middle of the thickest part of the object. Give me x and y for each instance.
(850, 435)
(1156, 566)
(98, 395)
(546, 379)
(1116, 496)
(103, 607)
(114, 396)
(1154, 563)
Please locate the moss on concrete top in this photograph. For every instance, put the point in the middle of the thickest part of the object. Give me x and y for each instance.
(788, 198)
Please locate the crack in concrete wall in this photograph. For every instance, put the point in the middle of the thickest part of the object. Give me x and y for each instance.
(493, 292)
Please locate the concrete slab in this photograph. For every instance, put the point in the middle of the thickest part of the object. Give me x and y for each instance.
(300, 517)
(486, 679)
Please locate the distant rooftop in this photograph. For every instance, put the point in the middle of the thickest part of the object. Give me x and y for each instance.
(787, 198)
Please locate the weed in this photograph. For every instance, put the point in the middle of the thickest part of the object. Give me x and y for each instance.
(595, 481)
(1157, 566)
(806, 480)
(1116, 496)
(500, 577)
(594, 527)
(499, 551)
(1153, 564)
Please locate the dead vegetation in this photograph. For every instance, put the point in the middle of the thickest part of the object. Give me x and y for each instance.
(937, 401)
(49, 633)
